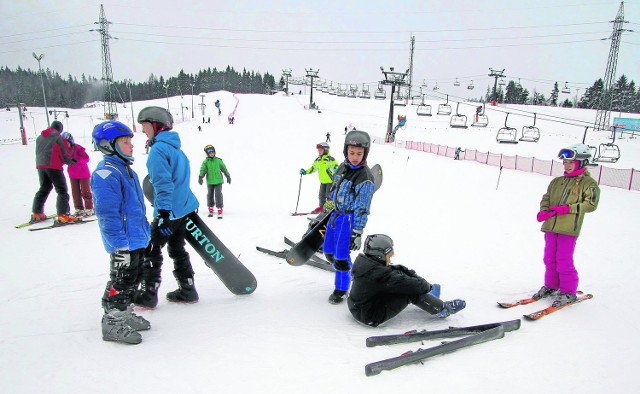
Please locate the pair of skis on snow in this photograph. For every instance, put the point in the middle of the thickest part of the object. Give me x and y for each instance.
(55, 224)
(473, 335)
(545, 311)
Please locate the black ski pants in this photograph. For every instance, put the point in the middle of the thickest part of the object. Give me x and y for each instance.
(50, 178)
(214, 196)
(123, 281)
(385, 306)
(152, 266)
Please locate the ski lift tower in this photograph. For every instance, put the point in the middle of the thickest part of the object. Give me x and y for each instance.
(110, 109)
(606, 98)
(287, 74)
(496, 74)
(394, 79)
(311, 74)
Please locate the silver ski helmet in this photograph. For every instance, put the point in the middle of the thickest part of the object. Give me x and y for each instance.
(377, 246)
(579, 152)
(324, 146)
(105, 135)
(357, 138)
(160, 118)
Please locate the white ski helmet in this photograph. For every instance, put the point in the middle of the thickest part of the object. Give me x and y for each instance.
(579, 152)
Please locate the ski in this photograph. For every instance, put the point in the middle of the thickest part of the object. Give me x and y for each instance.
(302, 213)
(422, 354)
(29, 223)
(451, 332)
(312, 240)
(233, 274)
(546, 311)
(523, 301)
(314, 262)
(57, 224)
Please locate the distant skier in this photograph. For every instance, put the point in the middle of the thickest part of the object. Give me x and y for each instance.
(457, 153)
(169, 173)
(51, 155)
(381, 290)
(79, 177)
(217, 104)
(213, 167)
(124, 228)
(326, 166)
(328, 137)
(350, 200)
(562, 209)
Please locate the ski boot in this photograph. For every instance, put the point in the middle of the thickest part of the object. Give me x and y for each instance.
(186, 292)
(136, 322)
(37, 217)
(66, 219)
(219, 213)
(147, 296)
(544, 292)
(435, 290)
(210, 212)
(563, 299)
(337, 296)
(115, 328)
(451, 307)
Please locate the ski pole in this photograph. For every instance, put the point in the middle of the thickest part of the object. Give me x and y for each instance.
(299, 188)
(499, 178)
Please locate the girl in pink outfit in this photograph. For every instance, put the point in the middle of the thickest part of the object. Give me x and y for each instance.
(562, 209)
(80, 176)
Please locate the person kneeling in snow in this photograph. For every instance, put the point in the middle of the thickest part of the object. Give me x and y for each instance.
(380, 290)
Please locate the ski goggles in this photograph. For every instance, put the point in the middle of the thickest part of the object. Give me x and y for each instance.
(210, 150)
(567, 154)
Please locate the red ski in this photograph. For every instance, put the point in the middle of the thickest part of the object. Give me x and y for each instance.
(523, 301)
(546, 311)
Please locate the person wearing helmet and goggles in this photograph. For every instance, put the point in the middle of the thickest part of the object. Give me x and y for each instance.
(562, 210)
(213, 167)
(326, 166)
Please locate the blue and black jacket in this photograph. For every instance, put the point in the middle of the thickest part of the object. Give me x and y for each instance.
(352, 191)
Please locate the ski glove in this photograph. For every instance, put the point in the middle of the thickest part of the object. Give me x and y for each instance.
(164, 223)
(303, 171)
(356, 240)
(560, 210)
(544, 215)
(328, 206)
(121, 258)
(229, 180)
(200, 180)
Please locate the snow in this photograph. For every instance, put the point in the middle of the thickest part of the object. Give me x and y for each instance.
(451, 221)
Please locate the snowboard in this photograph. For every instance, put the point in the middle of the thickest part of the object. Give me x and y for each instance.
(235, 276)
(301, 252)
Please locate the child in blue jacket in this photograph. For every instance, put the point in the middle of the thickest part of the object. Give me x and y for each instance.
(350, 197)
(119, 206)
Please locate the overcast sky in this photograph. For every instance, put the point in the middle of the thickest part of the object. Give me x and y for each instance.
(536, 42)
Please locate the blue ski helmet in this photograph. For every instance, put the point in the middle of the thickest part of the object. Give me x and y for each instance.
(67, 136)
(105, 135)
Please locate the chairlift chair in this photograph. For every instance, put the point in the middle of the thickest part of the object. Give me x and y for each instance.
(399, 100)
(456, 82)
(458, 121)
(566, 89)
(530, 133)
(416, 100)
(608, 152)
(507, 134)
(502, 82)
(332, 92)
(365, 94)
(444, 109)
(470, 86)
(423, 110)
(481, 120)
(380, 93)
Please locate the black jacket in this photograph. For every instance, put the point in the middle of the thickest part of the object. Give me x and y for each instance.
(374, 282)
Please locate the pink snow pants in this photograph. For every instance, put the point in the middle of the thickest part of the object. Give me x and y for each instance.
(560, 272)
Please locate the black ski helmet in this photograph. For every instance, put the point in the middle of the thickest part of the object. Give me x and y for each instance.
(377, 246)
(160, 117)
(357, 138)
(56, 124)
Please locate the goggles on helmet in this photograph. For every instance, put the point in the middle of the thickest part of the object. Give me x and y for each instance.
(210, 150)
(567, 154)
